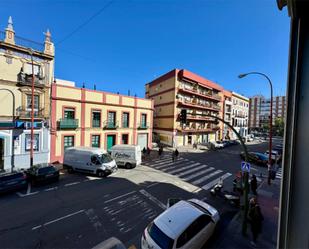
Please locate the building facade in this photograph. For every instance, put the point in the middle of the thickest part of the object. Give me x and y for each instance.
(260, 111)
(240, 114)
(84, 117)
(15, 83)
(227, 132)
(182, 89)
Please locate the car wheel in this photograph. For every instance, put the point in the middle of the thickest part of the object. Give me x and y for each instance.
(128, 166)
(70, 170)
(100, 173)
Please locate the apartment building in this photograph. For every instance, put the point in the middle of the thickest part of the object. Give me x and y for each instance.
(260, 110)
(84, 117)
(16, 98)
(240, 114)
(227, 132)
(182, 89)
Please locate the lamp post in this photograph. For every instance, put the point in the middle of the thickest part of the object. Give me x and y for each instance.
(32, 110)
(13, 121)
(270, 118)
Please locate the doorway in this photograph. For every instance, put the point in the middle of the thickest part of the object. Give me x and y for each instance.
(111, 141)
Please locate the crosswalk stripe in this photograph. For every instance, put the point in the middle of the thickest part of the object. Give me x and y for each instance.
(172, 163)
(188, 178)
(182, 168)
(189, 166)
(206, 177)
(160, 162)
(192, 170)
(214, 182)
(178, 167)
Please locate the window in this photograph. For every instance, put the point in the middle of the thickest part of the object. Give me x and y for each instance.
(111, 118)
(96, 119)
(36, 102)
(95, 141)
(125, 120)
(159, 237)
(28, 69)
(69, 113)
(125, 139)
(36, 142)
(144, 120)
(68, 141)
(193, 230)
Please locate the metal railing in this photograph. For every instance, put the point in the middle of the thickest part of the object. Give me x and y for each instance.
(66, 123)
(143, 126)
(96, 123)
(26, 113)
(110, 125)
(201, 92)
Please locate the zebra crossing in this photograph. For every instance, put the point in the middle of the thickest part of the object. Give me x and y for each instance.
(196, 173)
(279, 173)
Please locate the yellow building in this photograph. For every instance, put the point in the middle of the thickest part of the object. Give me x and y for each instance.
(182, 89)
(84, 117)
(15, 81)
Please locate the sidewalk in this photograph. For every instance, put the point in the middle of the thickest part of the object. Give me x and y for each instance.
(268, 198)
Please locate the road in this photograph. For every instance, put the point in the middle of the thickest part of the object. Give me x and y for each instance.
(81, 211)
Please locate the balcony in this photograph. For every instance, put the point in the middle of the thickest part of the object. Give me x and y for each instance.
(198, 128)
(143, 126)
(96, 123)
(65, 123)
(198, 92)
(198, 117)
(195, 104)
(26, 113)
(110, 125)
(26, 79)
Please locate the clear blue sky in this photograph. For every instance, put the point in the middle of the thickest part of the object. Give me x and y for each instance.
(132, 42)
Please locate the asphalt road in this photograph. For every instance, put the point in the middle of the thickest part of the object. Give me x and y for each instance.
(81, 211)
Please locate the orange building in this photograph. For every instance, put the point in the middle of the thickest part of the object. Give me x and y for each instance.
(182, 89)
(84, 117)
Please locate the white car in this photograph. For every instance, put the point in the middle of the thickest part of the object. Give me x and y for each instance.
(274, 155)
(217, 144)
(186, 224)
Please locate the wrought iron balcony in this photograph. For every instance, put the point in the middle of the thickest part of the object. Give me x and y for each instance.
(96, 123)
(199, 92)
(196, 104)
(110, 125)
(23, 113)
(26, 79)
(66, 123)
(143, 126)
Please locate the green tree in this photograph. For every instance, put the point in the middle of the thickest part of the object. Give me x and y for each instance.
(279, 126)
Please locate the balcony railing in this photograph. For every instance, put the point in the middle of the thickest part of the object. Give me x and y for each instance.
(198, 117)
(197, 128)
(26, 113)
(110, 125)
(26, 79)
(143, 126)
(199, 92)
(65, 123)
(199, 105)
(125, 124)
(96, 123)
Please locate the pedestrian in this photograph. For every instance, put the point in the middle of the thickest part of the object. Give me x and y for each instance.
(176, 154)
(173, 156)
(148, 151)
(160, 150)
(253, 184)
(256, 218)
(144, 151)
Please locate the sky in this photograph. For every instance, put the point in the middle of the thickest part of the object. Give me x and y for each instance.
(121, 45)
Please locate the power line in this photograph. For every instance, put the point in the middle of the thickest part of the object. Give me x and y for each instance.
(86, 22)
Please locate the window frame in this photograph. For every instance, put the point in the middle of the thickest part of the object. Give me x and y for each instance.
(69, 108)
(92, 118)
(99, 141)
(73, 140)
(128, 119)
(29, 105)
(36, 137)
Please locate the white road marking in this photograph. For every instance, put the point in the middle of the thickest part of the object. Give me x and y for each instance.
(154, 184)
(206, 177)
(186, 166)
(168, 164)
(50, 189)
(70, 184)
(113, 199)
(214, 182)
(191, 170)
(29, 188)
(24, 195)
(152, 198)
(61, 218)
(254, 169)
(188, 178)
(91, 178)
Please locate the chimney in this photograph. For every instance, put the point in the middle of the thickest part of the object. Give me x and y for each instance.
(9, 32)
(48, 45)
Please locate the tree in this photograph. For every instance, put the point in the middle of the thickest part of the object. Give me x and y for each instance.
(279, 126)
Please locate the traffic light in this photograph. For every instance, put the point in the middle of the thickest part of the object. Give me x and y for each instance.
(183, 116)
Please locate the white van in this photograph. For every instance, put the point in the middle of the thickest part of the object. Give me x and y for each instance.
(128, 156)
(88, 160)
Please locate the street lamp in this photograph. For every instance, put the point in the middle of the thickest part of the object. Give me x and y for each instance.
(32, 109)
(13, 121)
(270, 118)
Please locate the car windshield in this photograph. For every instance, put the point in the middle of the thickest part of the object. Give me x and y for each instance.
(46, 170)
(159, 237)
(105, 158)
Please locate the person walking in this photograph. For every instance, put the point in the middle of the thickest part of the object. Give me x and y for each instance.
(253, 184)
(256, 218)
(173, 156)
(176, 154)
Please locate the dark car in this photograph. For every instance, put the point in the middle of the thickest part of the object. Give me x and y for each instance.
(233, 142)
(226, 143)
(12, 181)
(256, 158)
(42, 173)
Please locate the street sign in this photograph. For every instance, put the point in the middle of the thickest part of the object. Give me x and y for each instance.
(245, 166)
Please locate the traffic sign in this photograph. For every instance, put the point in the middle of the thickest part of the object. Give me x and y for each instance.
(245, 166)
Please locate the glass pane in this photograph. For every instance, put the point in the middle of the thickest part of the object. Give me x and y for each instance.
(95, 141)
(96, 119)
(35, 142)
(69, 114)
(111, 118)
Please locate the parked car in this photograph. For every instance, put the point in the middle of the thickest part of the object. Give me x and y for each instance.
(250, 138)
(89, 160)
(226, 143)
(275, 155)
(186, 224)
(42, 173)
(128, 156)
(256, 158)
(234, 142)
(217, 144)
(12, 181)
(279, 148)
(111, 243)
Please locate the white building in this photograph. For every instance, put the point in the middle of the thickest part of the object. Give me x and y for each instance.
(240, 111)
